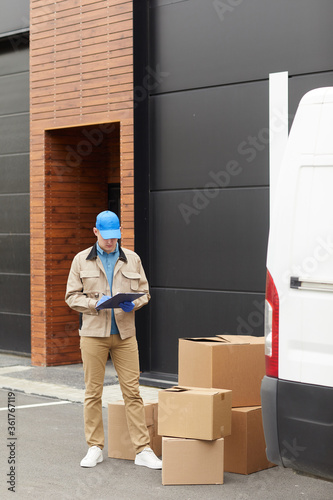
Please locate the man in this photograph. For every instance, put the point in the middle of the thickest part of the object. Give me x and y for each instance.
(97, 273)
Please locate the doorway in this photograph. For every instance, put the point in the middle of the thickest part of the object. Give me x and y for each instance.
(82, 178)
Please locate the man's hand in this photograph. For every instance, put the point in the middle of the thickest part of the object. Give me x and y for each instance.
(127, 306)
(103, 299)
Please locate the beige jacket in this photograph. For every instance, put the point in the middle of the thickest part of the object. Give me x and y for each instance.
(87, 282)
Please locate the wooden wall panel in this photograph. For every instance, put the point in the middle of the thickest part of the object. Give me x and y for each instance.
(81, 111)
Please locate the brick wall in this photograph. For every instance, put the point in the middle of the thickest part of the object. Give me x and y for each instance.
(81, 119)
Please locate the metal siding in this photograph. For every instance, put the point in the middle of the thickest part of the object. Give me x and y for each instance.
(196, 313)
(14, 93)
(201, 44)
(10, 326)
(14, 137)
(209, 106)
(14, 196)
(15, 295)
(195, 134)
(14, 173)
(14, 55)
(14, 15)
(15, 254)
(223, 245)
(14, 213)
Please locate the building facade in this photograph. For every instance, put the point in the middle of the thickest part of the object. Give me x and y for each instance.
(14, 179)
(157, 109)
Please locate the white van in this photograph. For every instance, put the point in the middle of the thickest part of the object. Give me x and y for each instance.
(297, 391)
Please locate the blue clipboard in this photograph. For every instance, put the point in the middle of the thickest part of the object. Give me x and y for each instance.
(114, 301)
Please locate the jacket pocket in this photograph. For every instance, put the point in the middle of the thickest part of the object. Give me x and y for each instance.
(91, 281)
(133, 279)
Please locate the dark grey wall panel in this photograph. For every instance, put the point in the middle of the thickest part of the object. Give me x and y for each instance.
(220, 247)
(208, 108)
(14, 253)
(188, 313)
(15, 332)
(196, 134)
(14, 173)
(14, 15)
(14, 213)
(14, 93)
(199, 44)
(14, 55)
(14, 137)
(14, 192)
(15, 293)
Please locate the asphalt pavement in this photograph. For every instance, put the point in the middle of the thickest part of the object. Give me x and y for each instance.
(41, 448)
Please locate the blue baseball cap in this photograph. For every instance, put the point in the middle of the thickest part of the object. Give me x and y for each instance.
(108, 225)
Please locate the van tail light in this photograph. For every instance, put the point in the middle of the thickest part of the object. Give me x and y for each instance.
(271, 328)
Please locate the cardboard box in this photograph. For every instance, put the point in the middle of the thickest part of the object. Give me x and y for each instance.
(245, 449)
(191, 461)
(233, 362)
(119, 441)
(191, 412)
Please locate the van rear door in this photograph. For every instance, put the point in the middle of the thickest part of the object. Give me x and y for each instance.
(297, 391)
(303, 223)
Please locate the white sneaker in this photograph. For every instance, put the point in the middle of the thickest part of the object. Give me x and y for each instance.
(93, 457)
(147, 458)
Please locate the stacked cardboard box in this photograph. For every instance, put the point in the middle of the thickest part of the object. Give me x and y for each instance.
(245, 448)
(233, 362)
(237, 363)
(119, 441)
(193, 422)
(212, 421)
(192, 461)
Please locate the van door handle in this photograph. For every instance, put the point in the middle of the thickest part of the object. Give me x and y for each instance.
(310, 284)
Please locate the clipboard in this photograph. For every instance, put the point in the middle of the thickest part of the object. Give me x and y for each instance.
(119, 297)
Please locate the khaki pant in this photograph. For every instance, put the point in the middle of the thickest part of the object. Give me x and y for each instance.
(125, 358)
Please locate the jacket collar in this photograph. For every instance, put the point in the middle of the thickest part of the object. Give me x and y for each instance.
(93, 254)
